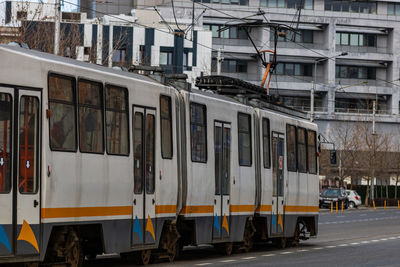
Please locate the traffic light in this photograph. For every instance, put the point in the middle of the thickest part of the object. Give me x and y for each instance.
(333, 157)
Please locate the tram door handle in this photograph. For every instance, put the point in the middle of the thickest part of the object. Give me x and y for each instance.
(134, 201)
(35, 203)
(153, 201)
(282, 202)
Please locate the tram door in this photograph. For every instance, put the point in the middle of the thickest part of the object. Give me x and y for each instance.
(222, 150)
(144, 223)
(19, 172)
(277, 221)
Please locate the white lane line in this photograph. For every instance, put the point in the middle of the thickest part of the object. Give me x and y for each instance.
(391, 238)
(343, 245)
(302, 250)
(227, 261)
(355, 243)
(204, 264)
(330, 246)
(365, 242)
(286, 252)
(317, 248)
(248, 258)
(383, 239)
(268, 255)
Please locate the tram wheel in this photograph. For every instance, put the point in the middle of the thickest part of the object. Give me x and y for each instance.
(73, 250)
(143, 257)
(228, 248)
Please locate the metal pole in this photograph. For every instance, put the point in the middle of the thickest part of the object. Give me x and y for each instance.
(373, 152)
(313, 92)
(57, 11)
(219, 61)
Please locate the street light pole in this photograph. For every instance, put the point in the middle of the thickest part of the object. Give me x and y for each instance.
(314, 87)
(373, 152)
(57, 9)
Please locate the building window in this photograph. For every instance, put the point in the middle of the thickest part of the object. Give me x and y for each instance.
(302, 36)
(393, 9)
(356, 39)
(312, 152)
(226, 32)
(119, 57)
(351, 6)
(231, 66)
(301, 150)
(294, 69)
(355, 72)
(305, 4)
(266, 143)
(117, 120)
(291, 148)
(90, 97)
(62, 116)
(244, 129)
(198, 132)
(227, 2)
(165, 58)
(166, 127)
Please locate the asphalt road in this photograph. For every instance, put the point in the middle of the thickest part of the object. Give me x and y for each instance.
(363, 237)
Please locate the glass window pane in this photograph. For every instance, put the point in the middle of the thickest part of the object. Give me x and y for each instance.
(354, 39)
(307, 36)
(371, 40)
(5, 142)
(338, 38)
(233, 32)
(215, 31)
(312, 152)
(244, 2)
(116, 121)
(138, 152)
(149, 156)
(355, 7)
(390, 8)
(345, 6)
(281, 3)
(297, 69)
(309, 4)
(28, 144)
(224, 33)
(226, 162)
(344, 72)
(271, 3)
(289, 69)
(266, 143)
(397, 9)
(291, 3)
(353, 72)
(198, 132)
(90, 117)
(163, 58)
(244, 139)
(362, 73)
(336, 6)
(218, 158)
(62, 127)
(328, 5)
(291, 147)
(301, 150)
(61, 88)
(361, 40)
(166, 127)
(232, 66)
(344, 39)
(279, 69)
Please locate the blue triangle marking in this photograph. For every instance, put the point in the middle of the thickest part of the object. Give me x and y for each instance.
(4, 239)
(273, 220)
(216, 223)
(137, 228)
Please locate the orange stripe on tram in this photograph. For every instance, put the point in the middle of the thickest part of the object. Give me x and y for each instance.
(242, 208)
(301, 208)
(86, 212)
(165, 209)
(264, 208)
(197, 209)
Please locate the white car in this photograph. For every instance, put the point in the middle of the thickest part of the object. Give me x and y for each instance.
(354, 198)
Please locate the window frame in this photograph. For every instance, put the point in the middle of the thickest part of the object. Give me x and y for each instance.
(11, 142)
(170, 123)
(102, 109)
(269, 141)
(251, 139)
(127, 119)
(74, 98)
(287, 147)
(297, 148)
(205, 130)
(315, 150)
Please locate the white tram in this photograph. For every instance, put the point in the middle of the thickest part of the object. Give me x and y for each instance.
(95, 160)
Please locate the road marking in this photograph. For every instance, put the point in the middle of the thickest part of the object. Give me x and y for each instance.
(343, 245)
(391, 238)
(355, 243)
(375, 240)
(317, 248)
(228, 261)
(204, 264)
(330, 246)
(248, 258)
(268, 255)
(286, 252)
(365, 242)
(303, 250)
(383, 239)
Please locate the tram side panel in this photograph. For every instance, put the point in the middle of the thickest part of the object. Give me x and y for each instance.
(217, 189)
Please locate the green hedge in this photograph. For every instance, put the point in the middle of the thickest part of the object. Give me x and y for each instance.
(379, 200)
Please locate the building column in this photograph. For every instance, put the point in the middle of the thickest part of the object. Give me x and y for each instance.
(330, 65)
(393, 70)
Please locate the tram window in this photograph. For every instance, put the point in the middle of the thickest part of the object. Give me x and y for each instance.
(150, 166)
(5, 142)
(301, 150)
(266, 143)
(117, 120)
(312, 152)
(28, 144)
(291, 148)
(138, 152)
(166, 127)
(62, 108)
(90, 117)
(198, 131)
(244, 130)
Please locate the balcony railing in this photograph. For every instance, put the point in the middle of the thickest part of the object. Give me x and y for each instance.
(290, 44)
(360, 111)
(362, 49)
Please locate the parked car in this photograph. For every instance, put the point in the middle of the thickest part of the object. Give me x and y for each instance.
(354, 198)
(333, 195)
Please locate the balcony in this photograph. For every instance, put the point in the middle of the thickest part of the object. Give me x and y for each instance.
(362, 49)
